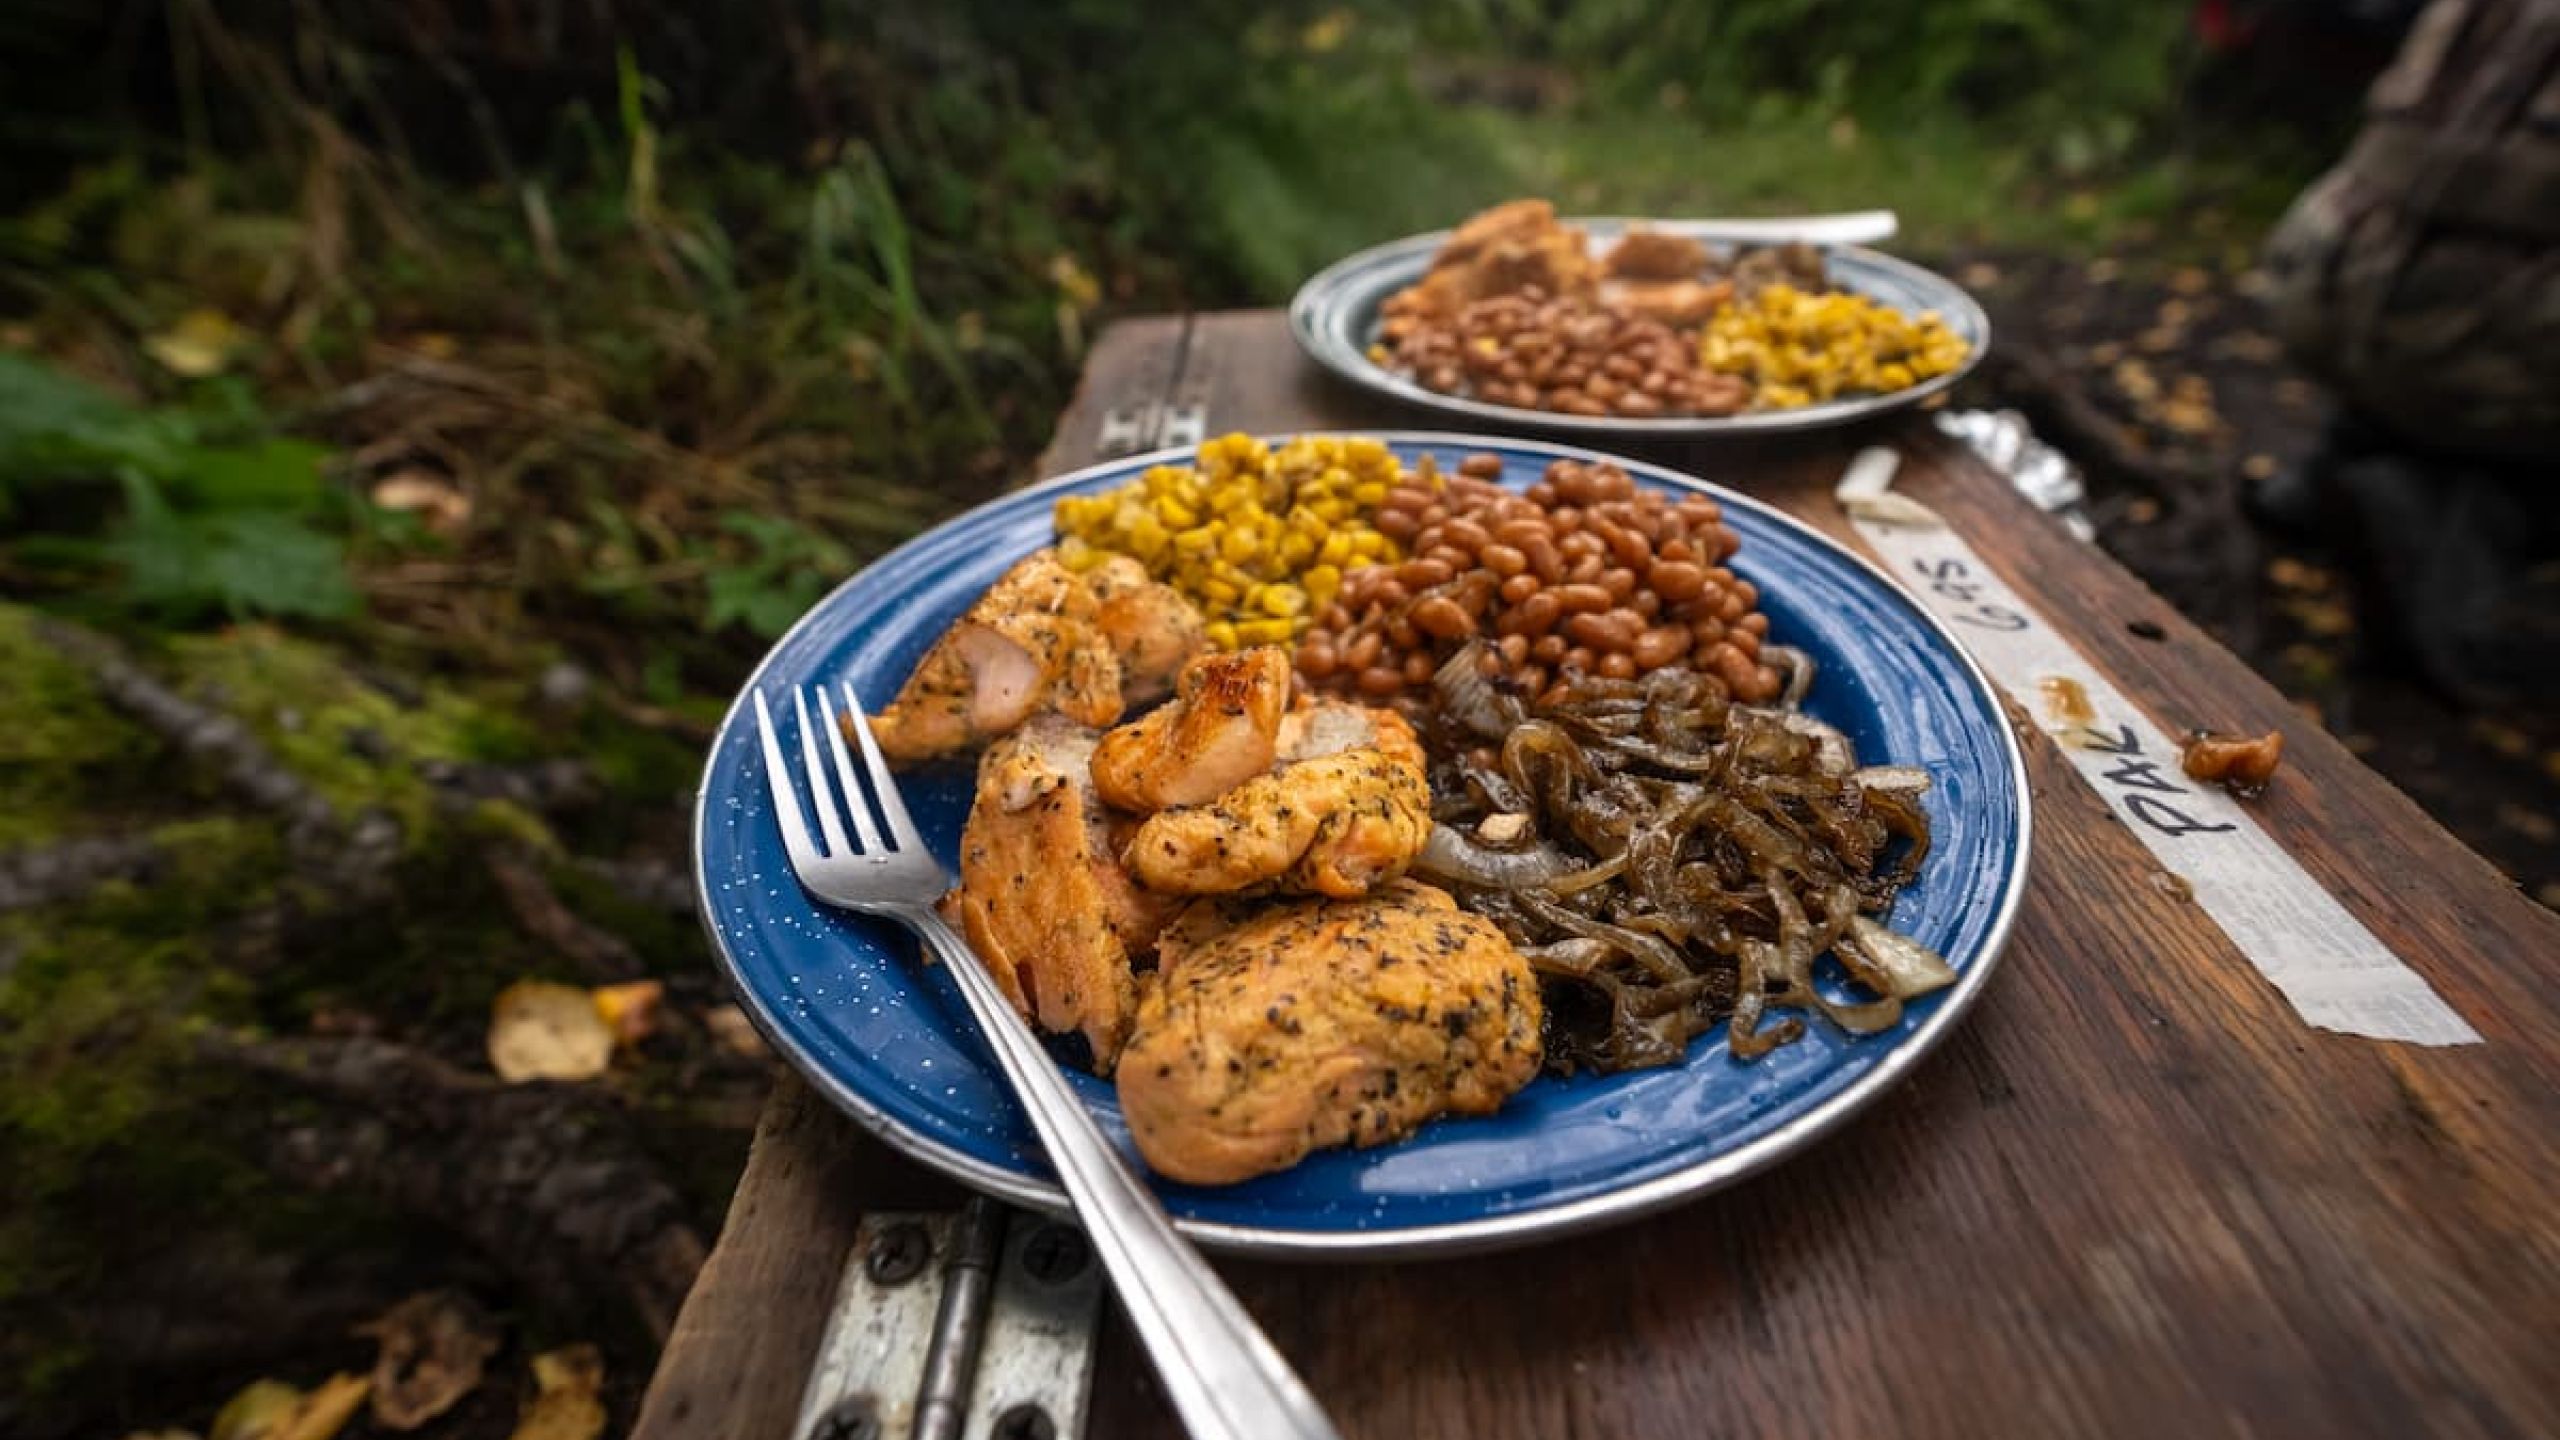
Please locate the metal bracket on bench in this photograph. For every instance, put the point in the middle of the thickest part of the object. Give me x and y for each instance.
(975, 1326)
(1132, 428)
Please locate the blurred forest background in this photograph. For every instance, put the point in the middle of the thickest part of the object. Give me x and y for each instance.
(415, 418)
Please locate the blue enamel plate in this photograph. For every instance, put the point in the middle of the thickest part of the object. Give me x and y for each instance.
(1335, 317)
(891, 1042)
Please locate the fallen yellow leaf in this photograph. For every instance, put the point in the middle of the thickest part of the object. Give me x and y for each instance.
(433, 1347)
(426, 494)
(274, 1410)
(567, 1406)
(200, 344)
(630, 1011)
(542, 1031)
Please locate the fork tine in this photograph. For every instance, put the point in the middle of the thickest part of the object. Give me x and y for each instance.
(844, 776)
(786, 799)
(820, 795)
(892, 808)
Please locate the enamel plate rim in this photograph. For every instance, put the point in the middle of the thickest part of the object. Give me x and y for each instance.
(1490, 1232)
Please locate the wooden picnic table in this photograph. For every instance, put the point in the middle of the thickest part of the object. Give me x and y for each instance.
(2134, 1194)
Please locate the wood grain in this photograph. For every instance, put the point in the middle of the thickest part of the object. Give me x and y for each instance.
(2133, 1195)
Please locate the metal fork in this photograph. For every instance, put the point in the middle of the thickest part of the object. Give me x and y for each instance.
(1226, 1380)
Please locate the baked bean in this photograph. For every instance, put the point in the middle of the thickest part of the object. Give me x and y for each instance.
(1502, 560)
(1619, 582)
(1708, 631)
(1547, 649)
(1381, 681)
(1489, 663)
(1738, 673)
(1423, 574)
(1542, 495)
(1362, 652)
(1396, 525)
(1616, 665)
(1482, 465)
(1538, 613)
(1467, 535)
(1449, 555)
(1646, 604)
(1316, 658)
(1401, 634)
(1663, 645)
(1586, 571)
(1518, 588)
(1630, 547)
(1730, 607)
(1442, 618)
(1545, 560)
(1567, 518)
(1614, 630)
(1755, 622)
(1679, 550)
(1578, 660)
(1580, 597)
(1433, 514)
(1726, 543)
(1744, 641)
(1676, 580)
(1418, 668)
(1522, 533)
(1749, 592)
(1583, 545)
(1514, 650)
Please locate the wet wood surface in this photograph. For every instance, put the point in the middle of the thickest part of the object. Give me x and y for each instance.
(2134, 1194)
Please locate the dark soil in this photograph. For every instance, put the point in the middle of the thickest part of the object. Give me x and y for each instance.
(2163, 382)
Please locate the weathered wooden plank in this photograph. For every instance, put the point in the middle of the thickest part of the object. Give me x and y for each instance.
(739, 1355)
(1124, 396)
(2133, 1195)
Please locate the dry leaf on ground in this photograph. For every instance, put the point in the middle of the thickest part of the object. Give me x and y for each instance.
(434, 1346)
(568, 1406)
(274, 1410)
(422, 492)
(736, 1033)
(200, 344)
(630, 1010)
(542, 1031)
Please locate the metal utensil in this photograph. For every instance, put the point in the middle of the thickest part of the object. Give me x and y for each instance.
(1225, 1379)
(1856, 227)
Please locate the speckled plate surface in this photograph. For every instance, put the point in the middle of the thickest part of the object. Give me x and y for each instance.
(890, 1041)
(1335, 317)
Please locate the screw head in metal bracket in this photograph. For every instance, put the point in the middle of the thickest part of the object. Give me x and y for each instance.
(851, 1418)
(898, 1254)
(1056, 1254)
(1024, 1422)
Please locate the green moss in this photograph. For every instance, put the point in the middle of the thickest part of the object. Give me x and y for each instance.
(351, 741)
(62, 751)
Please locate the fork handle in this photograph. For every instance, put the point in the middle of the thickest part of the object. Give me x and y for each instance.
(1226, 1380)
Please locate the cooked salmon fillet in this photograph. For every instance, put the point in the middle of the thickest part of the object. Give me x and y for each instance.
(1275, 1028)
(1347, 809)
(1032, 643)
(1152, 630)
(1221, 729)
(1042, 897)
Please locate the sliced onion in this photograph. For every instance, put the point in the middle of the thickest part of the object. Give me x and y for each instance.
(1900, 779)
(1891, 963)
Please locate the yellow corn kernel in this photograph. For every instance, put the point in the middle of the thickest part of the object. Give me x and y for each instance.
(1285, 601)
(1222, 634)
(1264, 632)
